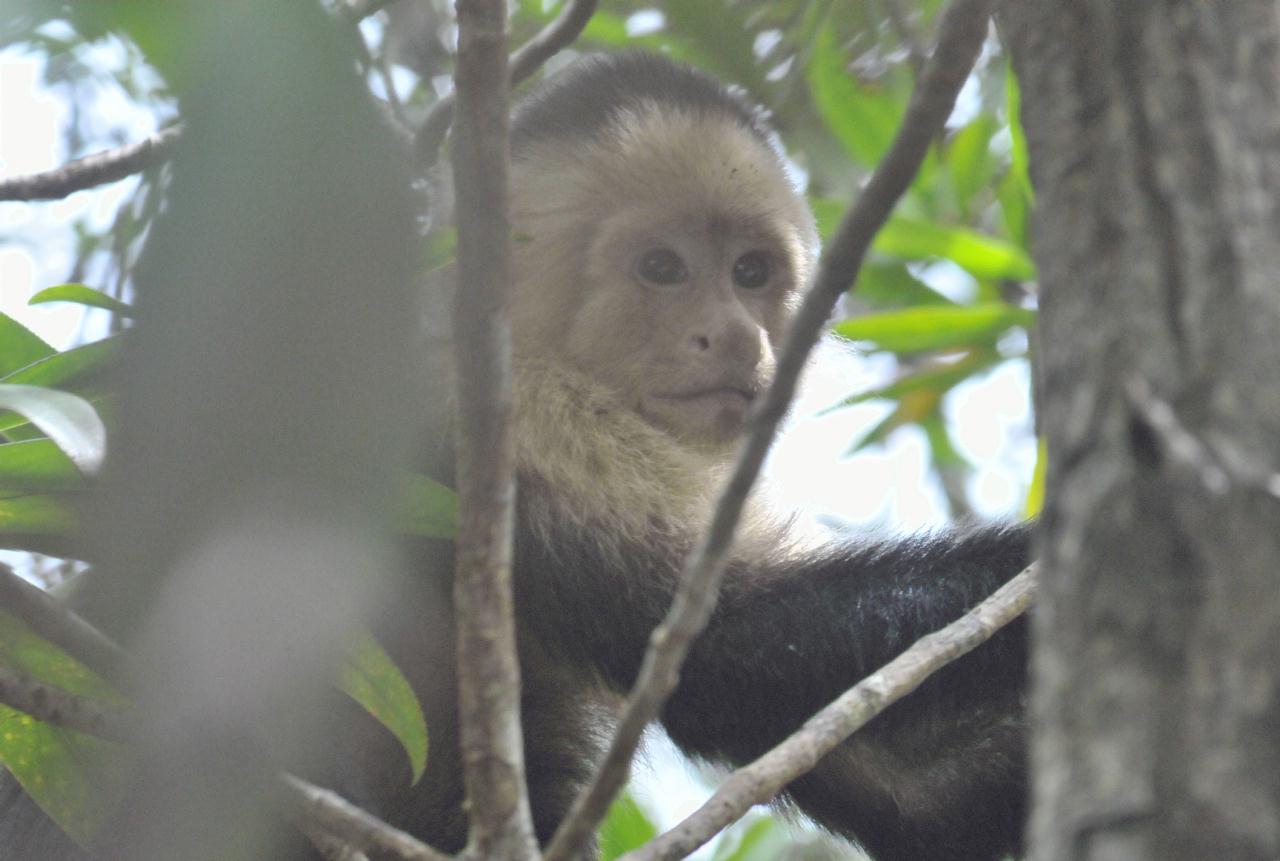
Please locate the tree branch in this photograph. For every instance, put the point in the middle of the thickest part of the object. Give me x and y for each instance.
(961, 34)
(55, 706)
(326, 810)
(488, 672)
(767, 776)
(524, 62)
(45, 615)
(92, 170)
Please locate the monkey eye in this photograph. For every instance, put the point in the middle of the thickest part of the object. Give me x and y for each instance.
(752, 270)
(661, 266)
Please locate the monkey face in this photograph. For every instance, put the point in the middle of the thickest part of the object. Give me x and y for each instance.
(683, 318)
(664, 263)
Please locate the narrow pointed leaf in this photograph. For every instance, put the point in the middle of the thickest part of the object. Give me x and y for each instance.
(63, 370)
(71, 776)
(19, 346)
(428, 508)
(373, 680)
(82, 294)
(35, 515)
(37, 465)
(625, 828)
(979, 255)
(936, 327)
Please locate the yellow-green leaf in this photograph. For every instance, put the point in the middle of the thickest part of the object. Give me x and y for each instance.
(935, 327)
(371, 679)
(73, 777)
(979, 255)
(1035, 493)
(428, 509)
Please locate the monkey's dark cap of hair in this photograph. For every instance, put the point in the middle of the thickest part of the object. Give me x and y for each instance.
(587, 97)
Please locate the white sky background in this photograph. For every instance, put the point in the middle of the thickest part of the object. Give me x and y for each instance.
(888, 489)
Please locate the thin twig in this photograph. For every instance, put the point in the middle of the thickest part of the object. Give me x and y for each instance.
(92, 170)
(488, 672)
(524, 62)
(55, 706)
(961, 34)
(57, 624)
(764, 778)
(334, 815)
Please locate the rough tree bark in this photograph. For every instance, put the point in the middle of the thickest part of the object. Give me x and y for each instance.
(1154, 133)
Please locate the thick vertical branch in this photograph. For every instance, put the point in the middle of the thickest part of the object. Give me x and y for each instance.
(961, 34)
(489, 676)
(1154, 133)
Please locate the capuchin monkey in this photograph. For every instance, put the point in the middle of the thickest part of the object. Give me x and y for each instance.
(663, 250)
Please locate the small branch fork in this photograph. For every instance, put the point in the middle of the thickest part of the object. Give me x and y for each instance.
(524, 62)
(961, 34)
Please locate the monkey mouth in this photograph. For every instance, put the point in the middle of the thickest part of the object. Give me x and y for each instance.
(728, 394)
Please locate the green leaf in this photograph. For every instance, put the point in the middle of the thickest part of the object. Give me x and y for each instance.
(728, 51)
(35, 514)
(1020, 161)
(428, 509)
(943, 450)
(862, 117)
(606, 29)
(890, 285)
(625, 828)
(441, 248)
(376, 683)
(37, 465)
(70, 421)
(19, 346)
(979, 255)
(82, 295)
(1035, 493)
(937, 327)
(73, 777)
(764, 839)
(938, 379)
(61, 370)
(881, 431)
(968, 159)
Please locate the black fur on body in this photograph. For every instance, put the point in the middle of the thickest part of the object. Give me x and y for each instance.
(608, 508)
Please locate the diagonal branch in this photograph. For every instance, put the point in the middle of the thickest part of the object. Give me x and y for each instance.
(763, 779)
(56, 623)
(92, 170)
(524, 62)
(331, 814)
(55, 706)
(961, 34)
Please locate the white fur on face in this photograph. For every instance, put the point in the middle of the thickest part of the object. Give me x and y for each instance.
(595, 348)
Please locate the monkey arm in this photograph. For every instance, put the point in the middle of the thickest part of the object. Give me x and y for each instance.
(941, 774)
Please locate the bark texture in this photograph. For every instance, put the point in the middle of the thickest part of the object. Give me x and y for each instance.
(1154, 133)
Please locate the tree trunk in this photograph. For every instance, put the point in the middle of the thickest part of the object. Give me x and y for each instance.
(1154, 134)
